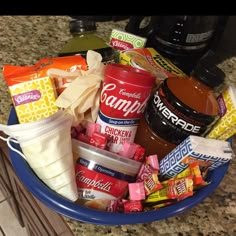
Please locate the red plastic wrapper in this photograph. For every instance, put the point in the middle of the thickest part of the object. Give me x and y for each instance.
(132, 206)
(99, 140)
(139, 154)
(83, 138)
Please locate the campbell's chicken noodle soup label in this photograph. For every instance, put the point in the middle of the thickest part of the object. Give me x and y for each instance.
(124, 96)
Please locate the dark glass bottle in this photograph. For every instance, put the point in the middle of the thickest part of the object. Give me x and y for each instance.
(84, 39)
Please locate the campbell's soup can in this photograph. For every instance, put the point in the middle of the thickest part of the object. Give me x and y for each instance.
(124, 96)
(101, 176)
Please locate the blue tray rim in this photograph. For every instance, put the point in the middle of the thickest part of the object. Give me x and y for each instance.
(88, 215)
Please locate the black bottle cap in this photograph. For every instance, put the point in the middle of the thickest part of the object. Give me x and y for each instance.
(208, 73)
(100, 18)
(83, 25)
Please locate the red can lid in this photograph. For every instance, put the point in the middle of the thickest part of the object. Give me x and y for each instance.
(130, 75)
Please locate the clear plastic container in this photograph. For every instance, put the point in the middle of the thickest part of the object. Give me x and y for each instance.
(101, 175)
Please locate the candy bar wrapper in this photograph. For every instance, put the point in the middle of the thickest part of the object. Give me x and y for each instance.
(226, 125)
(81, 98)
(174, 189)
(209, 153)
(122, 40)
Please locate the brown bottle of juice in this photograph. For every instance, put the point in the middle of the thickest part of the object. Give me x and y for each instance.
(178, 108)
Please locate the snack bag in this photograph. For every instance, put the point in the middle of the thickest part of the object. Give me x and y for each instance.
(19, 74)
(33, 92)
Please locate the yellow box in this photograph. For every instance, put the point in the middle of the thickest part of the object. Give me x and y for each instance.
(34, 100)
(228, 133)
(225, 125)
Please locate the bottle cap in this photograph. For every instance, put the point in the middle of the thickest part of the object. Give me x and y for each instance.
(208, 73)
(82, 25)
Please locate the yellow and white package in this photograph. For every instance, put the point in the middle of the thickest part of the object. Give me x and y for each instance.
(34, 90)
(34, 100)
(226, 125)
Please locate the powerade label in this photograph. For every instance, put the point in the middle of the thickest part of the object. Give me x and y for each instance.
(121, 106)
(170, 119)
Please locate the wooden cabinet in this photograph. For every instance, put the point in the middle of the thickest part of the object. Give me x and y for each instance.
(5, 183)
(37, 218)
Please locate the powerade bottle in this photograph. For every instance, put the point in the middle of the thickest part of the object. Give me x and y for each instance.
(180, 107)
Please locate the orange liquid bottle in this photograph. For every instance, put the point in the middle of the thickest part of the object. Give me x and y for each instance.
(178, 108)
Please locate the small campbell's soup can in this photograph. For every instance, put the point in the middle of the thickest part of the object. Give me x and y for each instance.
(124, 96)
(101, 176)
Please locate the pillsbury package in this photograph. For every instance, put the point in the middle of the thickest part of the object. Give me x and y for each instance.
(209, 153)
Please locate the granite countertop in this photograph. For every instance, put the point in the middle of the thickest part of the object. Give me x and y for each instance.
(26, 39)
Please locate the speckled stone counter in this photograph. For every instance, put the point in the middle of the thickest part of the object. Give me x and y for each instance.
(26, 39)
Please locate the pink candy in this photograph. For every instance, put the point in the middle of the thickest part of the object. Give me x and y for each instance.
(136, 191)
(128, 149)
(152, 160)
(92, 127)
(73, 132)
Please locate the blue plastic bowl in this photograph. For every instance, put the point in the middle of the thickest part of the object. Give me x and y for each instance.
(87, 215)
